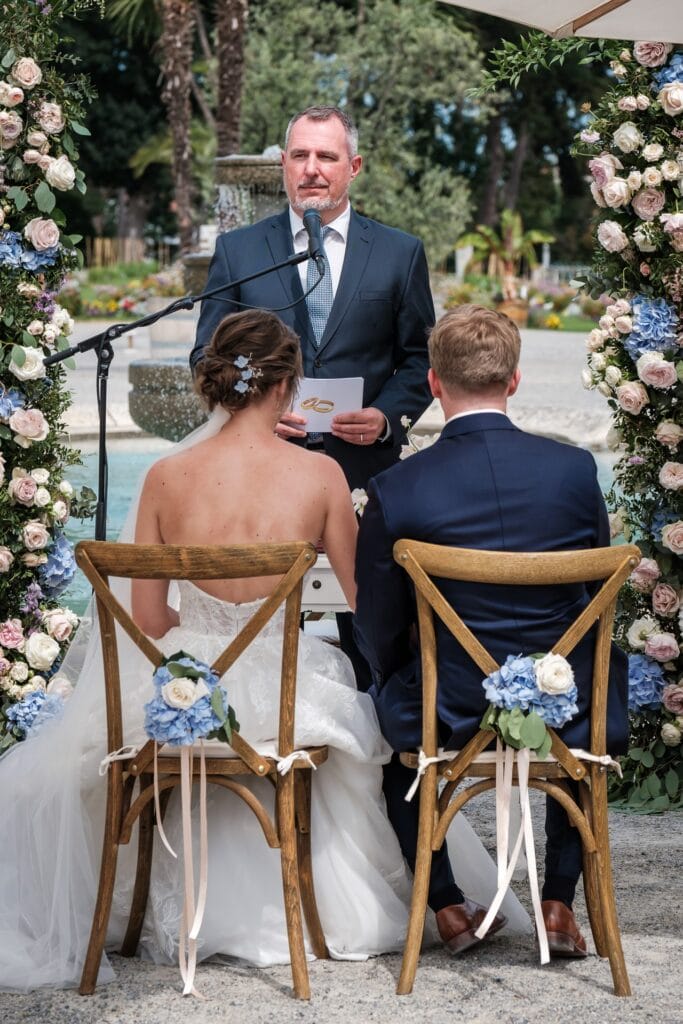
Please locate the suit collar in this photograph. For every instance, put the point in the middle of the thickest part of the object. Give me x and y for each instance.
(280, 243)
(477, 421)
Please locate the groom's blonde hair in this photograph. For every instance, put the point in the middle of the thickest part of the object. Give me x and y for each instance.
(473, 349)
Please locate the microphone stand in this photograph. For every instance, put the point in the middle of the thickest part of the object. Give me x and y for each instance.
(102, 342)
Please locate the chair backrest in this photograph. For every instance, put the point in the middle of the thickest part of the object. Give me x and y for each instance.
(501, 568)
(100, 560)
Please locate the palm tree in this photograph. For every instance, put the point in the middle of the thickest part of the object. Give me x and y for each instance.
(505, 250)
(231, 24)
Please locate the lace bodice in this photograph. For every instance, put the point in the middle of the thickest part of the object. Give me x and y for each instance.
(202, 613)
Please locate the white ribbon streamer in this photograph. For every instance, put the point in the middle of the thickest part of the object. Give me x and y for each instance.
(423, 763)
(285, 764)
(122, 754)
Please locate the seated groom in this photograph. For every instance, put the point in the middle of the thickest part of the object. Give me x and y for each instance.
(484, 484)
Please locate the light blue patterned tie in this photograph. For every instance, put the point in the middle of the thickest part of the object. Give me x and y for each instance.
(320, 300)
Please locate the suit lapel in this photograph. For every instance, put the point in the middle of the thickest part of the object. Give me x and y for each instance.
(358, 248)
(279, 239)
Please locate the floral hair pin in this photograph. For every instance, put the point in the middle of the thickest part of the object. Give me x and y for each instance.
(247, 373)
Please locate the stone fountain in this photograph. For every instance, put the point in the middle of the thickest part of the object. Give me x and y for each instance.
(162, 400)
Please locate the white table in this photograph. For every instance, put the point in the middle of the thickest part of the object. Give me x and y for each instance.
(322, 592)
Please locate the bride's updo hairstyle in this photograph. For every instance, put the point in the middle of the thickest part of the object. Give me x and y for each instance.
(249, 353)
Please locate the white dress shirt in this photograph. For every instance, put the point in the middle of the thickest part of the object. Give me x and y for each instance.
(473, 412)
(335, 244)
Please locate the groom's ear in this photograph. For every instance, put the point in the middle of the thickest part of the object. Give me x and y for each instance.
(434, 384)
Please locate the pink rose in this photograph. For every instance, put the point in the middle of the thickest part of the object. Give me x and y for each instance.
(611, 236)
(603, 168)
(61, 174)
(42, 233)
(671, 476)
(662, 647)
(22, 489)
(676, 241)
(51, 118)
(35, 536)
(671, 222)
(672, 698)
(31, 156)
(58, 624)
(665, 600)
(12, 634)
(6, 559)
(672, 537)
(628, 104)
(652, 55)
(632, 397)
(30, 423)
(60, 685)
(669, 433)
(10, 95)
(616, 193)
(36, 138)
(589, 136)
(671, 98)
(645, 575)
(645, 269)
(597, 195)
(10, 128)
(648, 202)
(655, 370)
(27, 73)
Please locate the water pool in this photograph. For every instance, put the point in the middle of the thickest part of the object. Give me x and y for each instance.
(128, 460)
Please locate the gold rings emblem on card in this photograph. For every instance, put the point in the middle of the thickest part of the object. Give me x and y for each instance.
(318, 404)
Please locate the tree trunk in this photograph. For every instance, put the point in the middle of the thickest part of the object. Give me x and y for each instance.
(231, 22)
(488, 206)
(177, 49)
(511, 194)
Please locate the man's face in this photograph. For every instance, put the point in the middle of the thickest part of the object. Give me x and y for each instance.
(317, 167)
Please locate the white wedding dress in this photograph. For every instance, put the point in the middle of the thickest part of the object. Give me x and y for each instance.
(52, 806)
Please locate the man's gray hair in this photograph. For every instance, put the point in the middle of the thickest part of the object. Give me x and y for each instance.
(324, 114)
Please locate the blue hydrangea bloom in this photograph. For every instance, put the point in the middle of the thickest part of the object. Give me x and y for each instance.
(57, 573)
(33, 260)
(34, 710)
(11, 399)
(11, 249)
(182, 726)
(514, 686)
(655, 325)
(645, 682)
(671, 72)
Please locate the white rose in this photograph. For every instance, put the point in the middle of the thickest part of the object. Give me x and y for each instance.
(29, 291)
(41, 651)
(182, 692)
(611, 236)
(596, 340)
(36, 138)
(42, 497)
(604, 389)
(652, 177)
(652, 152)
(51, 118)
(671, 476)
(40, 475)
(670, 170)
(671, 736)
(62, 320)
(669, 433)
(50, 333)
(613, 376)
(61, 174)
(624, 324)
(553, 674)
(640, 630)
(35, 683)
(35, 328)
(597, 362)
(606, 322)
(61, 686)
(671, 98)
(60, 510)
(32, 560)
(587, 379)
(614, 439)
(6, 559)
(618, 68)
(66, 488)
(616, 523)
(597, 195)
(35, 536)
(32, 367)
(634, 180)
(616, 193)
(27, 73)
(627, 138)
(31, 156)
(19, 671)
(642, 101)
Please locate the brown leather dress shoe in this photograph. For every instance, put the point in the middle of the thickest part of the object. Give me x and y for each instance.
(458, 923)
(564, 937)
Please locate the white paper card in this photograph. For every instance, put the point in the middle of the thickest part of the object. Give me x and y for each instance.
(321, 399)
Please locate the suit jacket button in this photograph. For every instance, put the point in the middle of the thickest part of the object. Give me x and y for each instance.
(317, 363)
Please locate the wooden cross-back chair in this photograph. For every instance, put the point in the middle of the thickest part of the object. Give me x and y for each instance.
(589, 814)
(130, 782)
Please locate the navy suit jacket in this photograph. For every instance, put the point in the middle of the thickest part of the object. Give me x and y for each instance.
(484, 484)
(377, 328)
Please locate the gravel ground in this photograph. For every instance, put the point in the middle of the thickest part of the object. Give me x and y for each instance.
(500, 982)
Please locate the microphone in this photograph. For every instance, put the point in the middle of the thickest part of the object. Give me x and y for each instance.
(313, 226)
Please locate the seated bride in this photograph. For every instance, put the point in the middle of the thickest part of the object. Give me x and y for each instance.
(233, 482)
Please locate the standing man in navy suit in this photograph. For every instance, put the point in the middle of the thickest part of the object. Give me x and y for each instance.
(381, 306)
(484, 484)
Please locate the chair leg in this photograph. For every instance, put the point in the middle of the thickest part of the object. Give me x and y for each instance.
(423, 866)
(105, 891)
(302, 792)
(591, 880)
(610, 921)
(142, 875)
(286, 818)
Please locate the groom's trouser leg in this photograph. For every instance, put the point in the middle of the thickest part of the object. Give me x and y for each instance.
(404, 816)
(563, 853)
(348, 645)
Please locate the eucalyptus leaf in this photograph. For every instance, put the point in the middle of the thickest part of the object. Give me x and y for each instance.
(635, 753)
(648, 759)
(533, 731)
(45, 198)
(660, 803)
(18, 196)
(8, 319)
(544, 748)
(515, 723)
(79, 129)
(28, 340)
(18, 355)
(653, 785)
(217, 705)
(9, 58)
(70, 363)
(671, 782)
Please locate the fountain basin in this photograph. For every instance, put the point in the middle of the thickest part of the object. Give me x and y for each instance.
(162, 400)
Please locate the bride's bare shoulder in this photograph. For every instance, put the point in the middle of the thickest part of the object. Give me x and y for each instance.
(173, 467)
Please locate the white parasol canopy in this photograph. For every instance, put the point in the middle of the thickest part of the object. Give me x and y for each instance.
(658, 20)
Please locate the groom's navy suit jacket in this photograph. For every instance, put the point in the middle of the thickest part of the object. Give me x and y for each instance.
(377, 328)
(484, 484)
